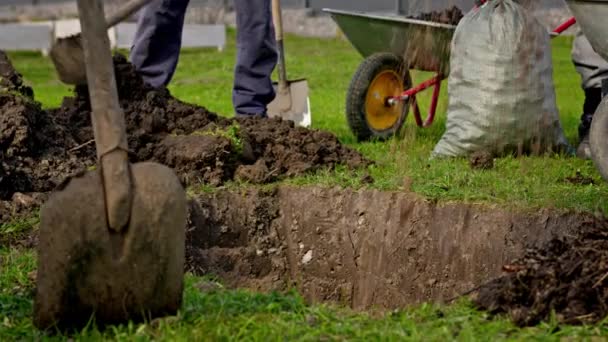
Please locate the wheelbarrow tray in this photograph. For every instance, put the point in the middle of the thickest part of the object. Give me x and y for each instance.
(422, 44)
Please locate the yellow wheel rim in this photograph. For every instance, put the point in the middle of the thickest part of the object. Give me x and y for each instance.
(378, 114)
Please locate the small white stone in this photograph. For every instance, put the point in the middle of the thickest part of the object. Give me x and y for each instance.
(301, 246)
(307, 257)
(259, 252)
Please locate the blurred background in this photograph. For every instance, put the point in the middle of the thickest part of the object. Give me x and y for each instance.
(302, 17)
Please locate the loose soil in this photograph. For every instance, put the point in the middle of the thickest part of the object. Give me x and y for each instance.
(367, 249)
(568, 276)
(580, 179)
(450, 16)
(39, 149)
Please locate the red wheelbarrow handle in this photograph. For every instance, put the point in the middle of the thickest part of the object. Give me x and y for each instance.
(563, 27)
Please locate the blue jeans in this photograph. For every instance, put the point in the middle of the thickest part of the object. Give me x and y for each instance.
(157, 43)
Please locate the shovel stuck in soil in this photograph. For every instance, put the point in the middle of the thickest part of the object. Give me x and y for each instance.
(67, 55)
(112, 241)
(291, 101)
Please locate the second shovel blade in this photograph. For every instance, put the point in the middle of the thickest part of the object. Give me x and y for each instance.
(299, 110)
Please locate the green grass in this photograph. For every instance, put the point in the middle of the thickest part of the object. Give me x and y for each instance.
(18, 229)
(231, 133)
(18, 226)
(204, 77)
(211, 312)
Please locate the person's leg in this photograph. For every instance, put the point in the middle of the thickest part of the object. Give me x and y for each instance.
(256, 57)
(593, 69)
(155, 50)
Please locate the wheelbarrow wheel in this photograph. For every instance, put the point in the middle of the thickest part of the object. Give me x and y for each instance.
(379, 77)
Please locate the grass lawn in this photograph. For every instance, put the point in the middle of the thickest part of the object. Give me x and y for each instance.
(204, 77)
(220, 314)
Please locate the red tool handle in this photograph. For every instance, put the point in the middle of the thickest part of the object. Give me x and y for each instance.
(563, 27)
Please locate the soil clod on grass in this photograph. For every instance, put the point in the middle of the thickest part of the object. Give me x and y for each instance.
(481, 160)
(568, 276)
(580, 179)
(40, 148)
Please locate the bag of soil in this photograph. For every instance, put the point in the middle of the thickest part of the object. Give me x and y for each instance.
(501, 92)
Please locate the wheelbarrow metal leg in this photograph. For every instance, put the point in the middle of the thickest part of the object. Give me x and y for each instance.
(410, 96)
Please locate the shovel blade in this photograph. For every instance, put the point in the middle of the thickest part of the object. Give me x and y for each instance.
(85, 270)
(67, 55)
(293, 104)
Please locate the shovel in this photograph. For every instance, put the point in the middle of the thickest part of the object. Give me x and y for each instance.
(291, 101)
(67, 55)
(112, 241)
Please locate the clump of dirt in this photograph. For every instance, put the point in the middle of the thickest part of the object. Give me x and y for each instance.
(366, 178)
(481, 160)
(567, 275)
(450, 16)
(580, 179)
(39, 149)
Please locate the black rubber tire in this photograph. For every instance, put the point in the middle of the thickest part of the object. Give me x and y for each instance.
(357, 92)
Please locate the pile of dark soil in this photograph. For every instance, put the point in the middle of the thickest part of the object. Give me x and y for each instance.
(450, 16)
(11, 80)
(33, 147)
(39, 149)
(568, 276)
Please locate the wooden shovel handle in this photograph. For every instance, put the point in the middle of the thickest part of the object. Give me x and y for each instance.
(109, 127)
(124, 11)
(278, 29)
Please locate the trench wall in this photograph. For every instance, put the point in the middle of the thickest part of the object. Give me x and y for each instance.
(363, 248)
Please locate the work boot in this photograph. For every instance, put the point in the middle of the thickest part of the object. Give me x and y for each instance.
(583, 150)
(593, 97)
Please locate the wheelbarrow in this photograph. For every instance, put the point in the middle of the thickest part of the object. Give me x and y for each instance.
(381, 92)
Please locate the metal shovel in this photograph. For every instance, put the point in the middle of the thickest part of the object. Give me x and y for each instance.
(291, 101)
(67, 55)
(112, 241)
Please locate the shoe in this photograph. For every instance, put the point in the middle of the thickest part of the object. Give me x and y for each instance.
(584, 148)
(593, 97)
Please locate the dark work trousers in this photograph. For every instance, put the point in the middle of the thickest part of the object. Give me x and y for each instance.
(157, 43)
